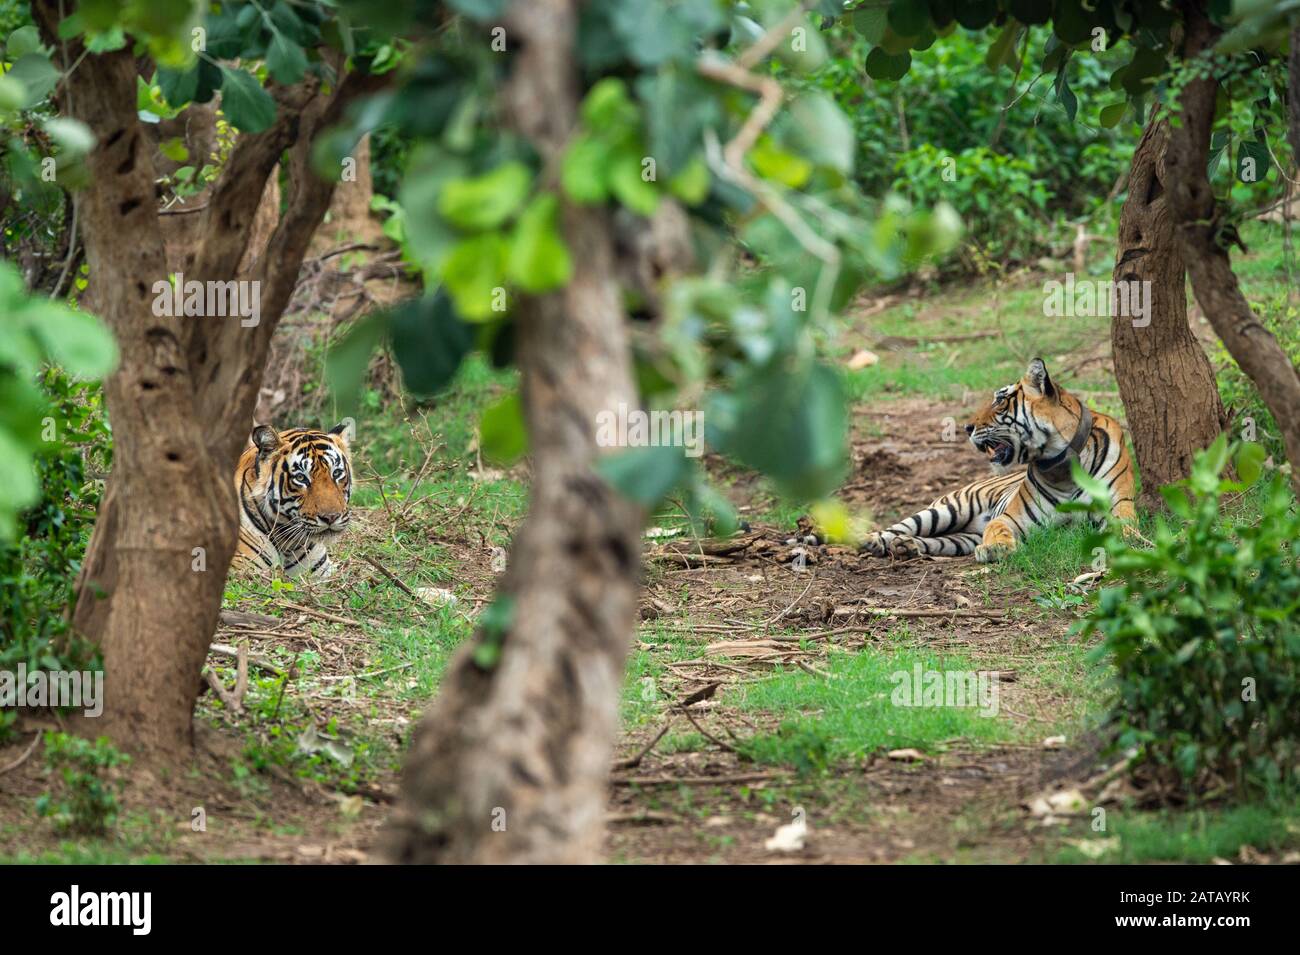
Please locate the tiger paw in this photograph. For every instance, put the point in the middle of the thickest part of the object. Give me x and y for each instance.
(875, 544)
(905, 548)
(991, 553)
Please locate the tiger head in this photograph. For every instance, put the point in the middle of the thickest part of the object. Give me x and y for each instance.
(302, 479)
(1024, 422)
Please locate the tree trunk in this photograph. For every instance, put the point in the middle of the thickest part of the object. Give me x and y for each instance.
(168, 506)
(1165, 380)
(511, 762)
(1197, 220)
(181, 400)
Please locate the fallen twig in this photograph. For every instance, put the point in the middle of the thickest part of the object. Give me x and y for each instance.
(23, 758)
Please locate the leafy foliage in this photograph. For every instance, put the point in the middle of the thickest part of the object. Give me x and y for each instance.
(38, 569)
(480, 219)
(90, 799)
(1201, 631)
(36, 330)
(1002, 200)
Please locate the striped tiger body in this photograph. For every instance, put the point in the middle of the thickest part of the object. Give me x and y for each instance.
(294, 487)
(1034, 423)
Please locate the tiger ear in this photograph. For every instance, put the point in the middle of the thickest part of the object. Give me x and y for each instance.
(346, 429)
(1038, 380)
(265, 439)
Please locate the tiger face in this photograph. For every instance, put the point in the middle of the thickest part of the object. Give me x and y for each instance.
(1025, 421)
(302, 480)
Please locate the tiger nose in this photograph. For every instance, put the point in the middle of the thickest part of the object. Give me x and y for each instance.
(333, 517)
(970, 429)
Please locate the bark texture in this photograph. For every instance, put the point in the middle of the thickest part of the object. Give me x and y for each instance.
(1204, 246)
(511, 763)
(1165, 380)
(181, 399)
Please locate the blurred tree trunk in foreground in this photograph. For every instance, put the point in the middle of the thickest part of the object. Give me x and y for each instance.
(511, 762)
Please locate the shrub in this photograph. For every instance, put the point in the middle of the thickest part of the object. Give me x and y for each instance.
(1001, 199)
(88, 802)
(1202, 628)
(38, 570)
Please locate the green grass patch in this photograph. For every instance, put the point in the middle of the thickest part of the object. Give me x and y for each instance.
(853, 713)
(1191, 836)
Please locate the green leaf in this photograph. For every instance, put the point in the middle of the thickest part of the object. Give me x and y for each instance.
(881, 65)
(584, 170)
(1097, 490)
(72, 135)
(645, 475)
(691, 185)
(628, 187)
(1002, 51)
(17, 476)
(178, 87)
(76, 340)
(1250, 462)
(485, 202)
(823, 132)
(246, 104)
(429, 341)
(870, 22)
(503, 437)
(22, 41)
(473, 271)
(174, 149)
(772, 162)
(13, 95)
(37, 74)
(539, 260)
(286, 61)
(348, 361)
(791, 425)
(1252, 161)
(1111, 115)
(908, 17)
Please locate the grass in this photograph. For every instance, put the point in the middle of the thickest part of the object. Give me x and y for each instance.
(1190, 836)
(415, 485)
(825, 721)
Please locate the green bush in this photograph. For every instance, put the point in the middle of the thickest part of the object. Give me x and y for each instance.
(89, 802)
(38, 570)
(1203, 628)
(1001, 199)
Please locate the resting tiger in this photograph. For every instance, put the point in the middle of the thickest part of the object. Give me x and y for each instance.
(1032, 422)
(294, 487)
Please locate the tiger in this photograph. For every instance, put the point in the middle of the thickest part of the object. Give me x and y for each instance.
(1034, 423)
(294, 487)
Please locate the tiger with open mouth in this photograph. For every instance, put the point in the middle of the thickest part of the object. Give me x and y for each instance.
(1035, 423)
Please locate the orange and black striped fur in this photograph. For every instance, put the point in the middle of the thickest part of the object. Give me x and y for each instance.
(1034, 423)
(294, 488)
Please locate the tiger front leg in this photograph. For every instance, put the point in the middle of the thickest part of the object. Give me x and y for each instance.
(313, 562)
(999, 540)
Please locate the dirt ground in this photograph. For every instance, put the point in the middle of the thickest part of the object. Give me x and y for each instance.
(964, 804)
(708, 805)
